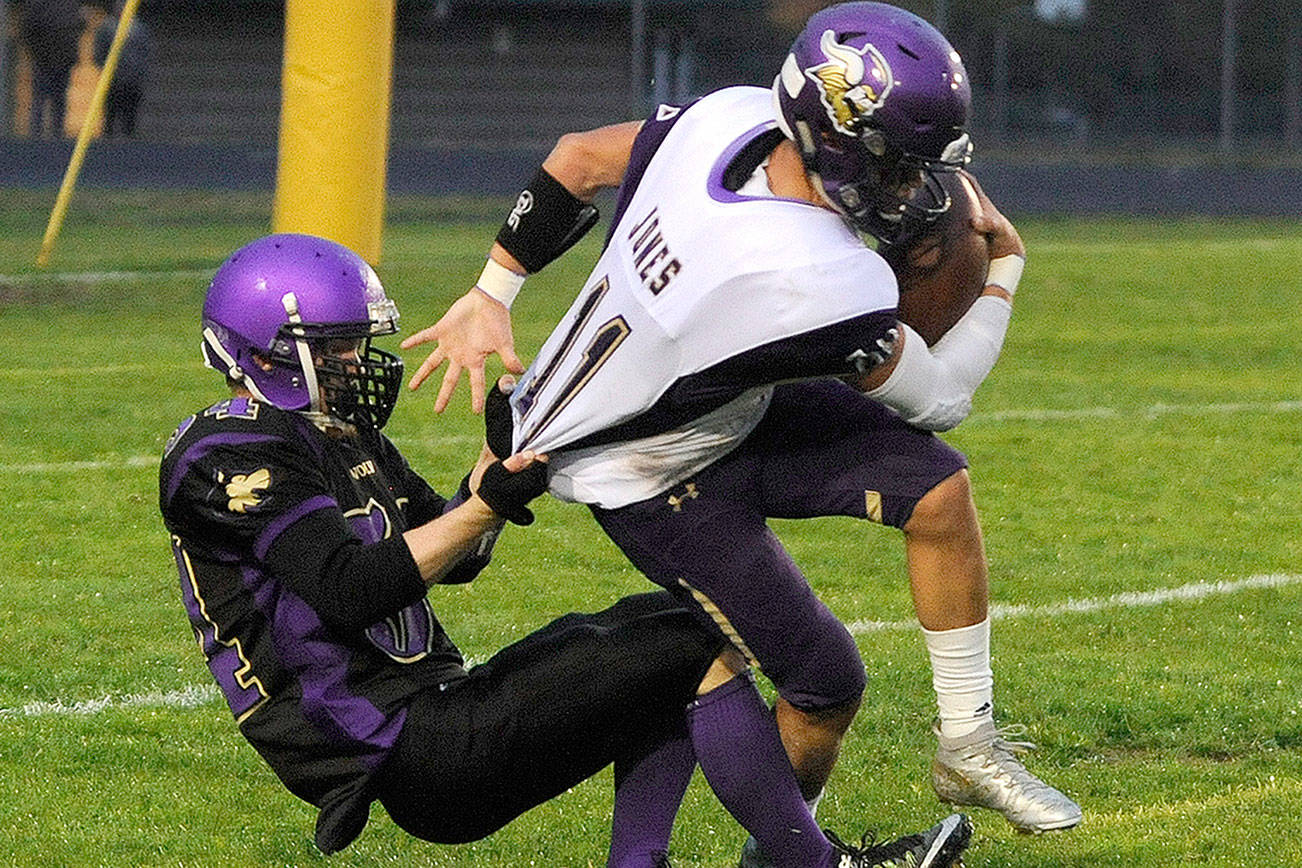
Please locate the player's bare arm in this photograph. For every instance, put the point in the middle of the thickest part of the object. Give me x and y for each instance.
(547, 219)
(591, 161)
(439, 545)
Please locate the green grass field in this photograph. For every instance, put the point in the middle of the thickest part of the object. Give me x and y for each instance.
(1142, 434)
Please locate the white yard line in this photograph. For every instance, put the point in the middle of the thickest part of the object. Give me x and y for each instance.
(92, 370)
(151, 461)
(202, 695)
(38, 277)
(80, 466)
(992, 417)
(186, 697)
(1150, 412)
(1124, 600)
(1116, 245)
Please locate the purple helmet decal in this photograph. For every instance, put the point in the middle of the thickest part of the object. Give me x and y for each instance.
(272, 302)
(876, 100)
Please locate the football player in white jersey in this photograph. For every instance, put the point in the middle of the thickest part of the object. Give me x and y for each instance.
(736, 355)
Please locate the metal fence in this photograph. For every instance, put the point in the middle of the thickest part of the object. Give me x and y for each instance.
(1215, 74)
(1163, 85)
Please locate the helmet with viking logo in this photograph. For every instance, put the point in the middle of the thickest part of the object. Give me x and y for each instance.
(877, 102)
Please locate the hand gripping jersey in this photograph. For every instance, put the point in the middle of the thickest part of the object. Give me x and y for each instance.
(709, 291)
(302, 594)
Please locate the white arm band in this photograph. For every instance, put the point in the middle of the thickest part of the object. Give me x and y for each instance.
(932, 389)
(499, 282)
(1006, 272)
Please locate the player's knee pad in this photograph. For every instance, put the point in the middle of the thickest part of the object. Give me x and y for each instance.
(823, 669)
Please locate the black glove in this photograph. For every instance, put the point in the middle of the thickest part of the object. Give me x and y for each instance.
(497, 422)
(506, 493)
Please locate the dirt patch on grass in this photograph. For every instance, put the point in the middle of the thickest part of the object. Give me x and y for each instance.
(45, 292)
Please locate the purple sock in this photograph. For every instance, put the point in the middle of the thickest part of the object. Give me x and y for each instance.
(741, 754)
(648, 792)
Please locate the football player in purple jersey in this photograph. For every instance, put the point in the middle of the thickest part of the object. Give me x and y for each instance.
(733, 267)
(307, 548)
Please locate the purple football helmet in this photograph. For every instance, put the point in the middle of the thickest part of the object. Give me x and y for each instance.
(877, 102)
(295, 301)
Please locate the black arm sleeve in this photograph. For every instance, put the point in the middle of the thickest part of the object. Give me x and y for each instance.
(424, 504)
(547, 220)
(350, 585)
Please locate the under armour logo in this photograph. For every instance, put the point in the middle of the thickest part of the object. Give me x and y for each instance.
(689, 493)
(523, 206)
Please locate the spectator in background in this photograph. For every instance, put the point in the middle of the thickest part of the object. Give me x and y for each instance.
(49, 31)
(128, 84)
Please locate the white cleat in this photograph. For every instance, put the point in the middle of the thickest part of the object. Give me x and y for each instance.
(982, 770)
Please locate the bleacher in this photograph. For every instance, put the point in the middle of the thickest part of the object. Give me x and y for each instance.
(478, 83)
(481, 92)
(205, 89)
(450, 93)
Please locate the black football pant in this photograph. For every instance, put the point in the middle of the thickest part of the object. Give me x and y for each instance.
(544, 714)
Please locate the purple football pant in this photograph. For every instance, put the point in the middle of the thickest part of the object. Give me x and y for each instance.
(821, 449)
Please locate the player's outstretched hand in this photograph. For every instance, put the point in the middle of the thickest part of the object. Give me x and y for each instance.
(507, 486)
(474, 328)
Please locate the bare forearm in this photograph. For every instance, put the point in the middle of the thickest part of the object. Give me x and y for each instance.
(536, 231)
(439, 545)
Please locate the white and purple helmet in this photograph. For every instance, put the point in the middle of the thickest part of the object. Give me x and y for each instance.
(876, 99)
(280, 299)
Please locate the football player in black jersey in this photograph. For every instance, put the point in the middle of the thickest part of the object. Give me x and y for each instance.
(306, 546)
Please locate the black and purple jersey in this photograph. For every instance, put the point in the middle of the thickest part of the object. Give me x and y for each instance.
(302, 594)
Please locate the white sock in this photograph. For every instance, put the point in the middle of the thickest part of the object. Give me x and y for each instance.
(961, 675)
(812, 804)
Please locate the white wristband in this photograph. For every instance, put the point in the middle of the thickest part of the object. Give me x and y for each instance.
(1005, 272)
(499, 282)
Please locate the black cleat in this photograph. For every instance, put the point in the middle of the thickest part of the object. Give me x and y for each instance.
(941, 846)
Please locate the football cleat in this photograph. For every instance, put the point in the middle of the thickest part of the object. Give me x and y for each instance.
(941, 846)
(982, 770)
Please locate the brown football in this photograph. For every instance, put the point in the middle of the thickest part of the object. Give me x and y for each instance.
(942, 272)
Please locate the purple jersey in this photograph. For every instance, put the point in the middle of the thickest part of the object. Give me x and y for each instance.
(301, 592)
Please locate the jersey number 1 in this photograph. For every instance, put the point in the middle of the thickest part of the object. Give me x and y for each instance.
(609, 335)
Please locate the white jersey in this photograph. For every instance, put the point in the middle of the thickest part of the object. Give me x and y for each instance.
(710, 290)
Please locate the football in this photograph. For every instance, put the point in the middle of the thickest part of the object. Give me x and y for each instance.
(943, 271)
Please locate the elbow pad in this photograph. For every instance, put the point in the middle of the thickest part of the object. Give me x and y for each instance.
(933, 389)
